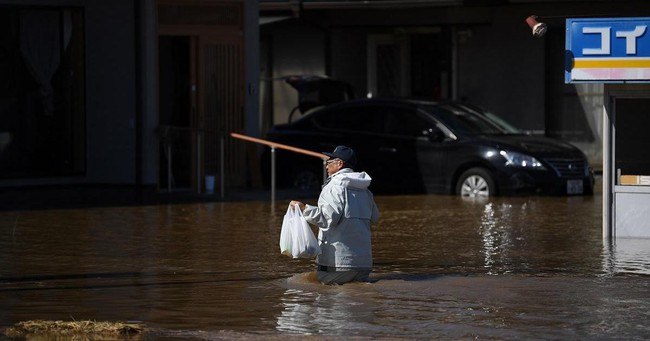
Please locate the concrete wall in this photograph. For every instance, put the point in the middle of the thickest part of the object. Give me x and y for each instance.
(297, 48)
(148, 107)
(501, 67)
(252, 67)
(349, 58)
(110, 91)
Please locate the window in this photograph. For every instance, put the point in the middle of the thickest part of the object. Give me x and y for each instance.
(404, 122)
(631, 140)
(356, 119)
(468, 122)
(42, 121)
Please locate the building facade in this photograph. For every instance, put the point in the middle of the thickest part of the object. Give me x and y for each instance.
(482, 52)
(126, 93)
(145, 93)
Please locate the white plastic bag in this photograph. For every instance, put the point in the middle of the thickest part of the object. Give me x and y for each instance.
(297, 240)
(285, 233)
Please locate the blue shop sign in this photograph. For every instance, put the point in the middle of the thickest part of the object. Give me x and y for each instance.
(608, 50)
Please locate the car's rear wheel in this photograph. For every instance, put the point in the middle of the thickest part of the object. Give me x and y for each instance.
(476, 182)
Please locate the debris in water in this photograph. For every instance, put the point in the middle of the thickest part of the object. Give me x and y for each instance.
(106, 329)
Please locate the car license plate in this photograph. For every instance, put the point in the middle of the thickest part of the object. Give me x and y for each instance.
(574, 187)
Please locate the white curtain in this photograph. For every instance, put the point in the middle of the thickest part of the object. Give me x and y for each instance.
(42, 32)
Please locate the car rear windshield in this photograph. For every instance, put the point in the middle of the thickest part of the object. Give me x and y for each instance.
(464, 121)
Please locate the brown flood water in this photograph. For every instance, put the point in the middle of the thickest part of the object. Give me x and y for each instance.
(505, 268)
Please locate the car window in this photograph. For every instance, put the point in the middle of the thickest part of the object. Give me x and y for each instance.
(464, 121)
(404, 122)
(355, 118)
(507, 126)
(503, 123)
(380, 119)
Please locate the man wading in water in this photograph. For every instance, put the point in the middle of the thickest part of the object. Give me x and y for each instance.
(346, 209)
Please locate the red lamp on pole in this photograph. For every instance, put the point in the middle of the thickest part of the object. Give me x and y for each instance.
(539, 28)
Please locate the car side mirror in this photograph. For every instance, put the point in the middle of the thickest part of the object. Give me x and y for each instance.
(434, 134)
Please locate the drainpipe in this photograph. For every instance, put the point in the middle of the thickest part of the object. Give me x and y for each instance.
(139, 109)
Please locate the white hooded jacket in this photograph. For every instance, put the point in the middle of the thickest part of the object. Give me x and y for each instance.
(345, 211)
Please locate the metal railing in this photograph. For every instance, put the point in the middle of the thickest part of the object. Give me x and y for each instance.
(179, 141)
(275, 145)
(173, 139)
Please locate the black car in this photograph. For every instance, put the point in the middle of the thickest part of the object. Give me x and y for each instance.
(410, 146)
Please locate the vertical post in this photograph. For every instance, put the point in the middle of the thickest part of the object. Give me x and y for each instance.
(199, 183)
(454, 63)
(222, 168)
(608, 167)
(272, 175)
(169, 167)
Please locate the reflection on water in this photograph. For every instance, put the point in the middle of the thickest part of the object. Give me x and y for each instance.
(627, 255)
(445, 267)
(330, 312)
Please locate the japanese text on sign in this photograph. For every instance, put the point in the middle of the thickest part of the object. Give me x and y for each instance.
(608, 50)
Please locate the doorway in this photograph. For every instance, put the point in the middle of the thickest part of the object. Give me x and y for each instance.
(176, 105)
(630, 166)
(201, 94)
